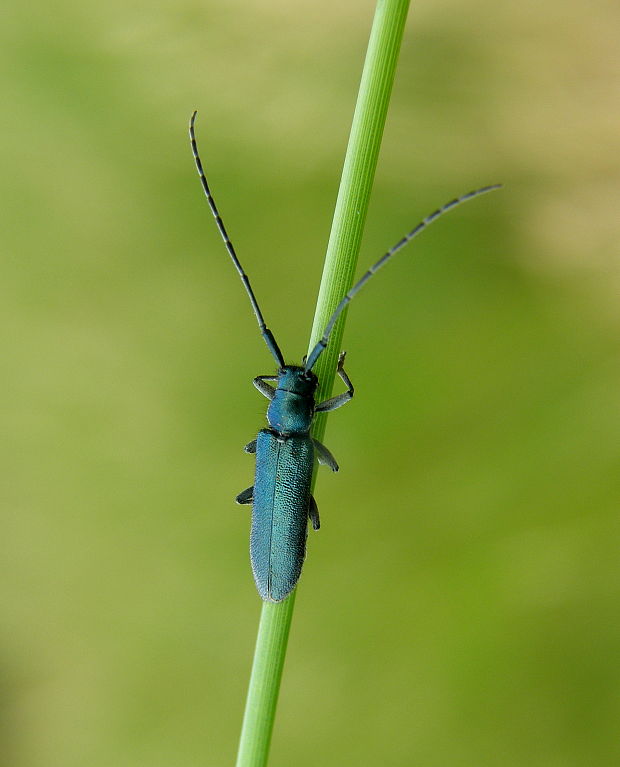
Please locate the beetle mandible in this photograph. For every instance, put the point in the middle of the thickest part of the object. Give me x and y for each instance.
(281, 496)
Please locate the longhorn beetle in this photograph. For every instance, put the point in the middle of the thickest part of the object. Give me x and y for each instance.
(285, 452)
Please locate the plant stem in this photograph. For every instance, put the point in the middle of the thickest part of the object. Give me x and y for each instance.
(338, 271)
(260, 707)
(356, 184)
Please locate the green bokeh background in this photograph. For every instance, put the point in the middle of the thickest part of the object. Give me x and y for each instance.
(460, 605)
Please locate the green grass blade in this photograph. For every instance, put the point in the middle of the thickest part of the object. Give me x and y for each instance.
(340, 262)
(260, 709)
(356, 183)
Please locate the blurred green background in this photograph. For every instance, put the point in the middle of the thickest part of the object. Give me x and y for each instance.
(460, 603)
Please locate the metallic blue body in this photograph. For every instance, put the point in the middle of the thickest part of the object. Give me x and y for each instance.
(280, 511)
(281, 497)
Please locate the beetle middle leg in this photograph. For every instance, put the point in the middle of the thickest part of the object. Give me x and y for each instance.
(340, 399)
(324, 456)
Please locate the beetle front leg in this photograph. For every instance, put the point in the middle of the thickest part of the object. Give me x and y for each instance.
(340, 399)
(263, 387)
(250, 447)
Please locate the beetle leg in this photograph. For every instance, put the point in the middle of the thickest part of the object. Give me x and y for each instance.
(247, 496)
(263, 387)
(313, 513)
(250, 447)
(340, 399)
(324, 456)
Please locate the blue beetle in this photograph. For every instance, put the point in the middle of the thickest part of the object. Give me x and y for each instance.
(281, 496)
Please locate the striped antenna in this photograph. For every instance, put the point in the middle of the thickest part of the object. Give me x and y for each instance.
(264, 330)
(322, 343)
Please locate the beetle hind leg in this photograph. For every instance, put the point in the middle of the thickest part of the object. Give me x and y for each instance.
(247, 496)
(313, 513)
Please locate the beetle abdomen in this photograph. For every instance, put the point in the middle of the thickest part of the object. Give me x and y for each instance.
(280, 512)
